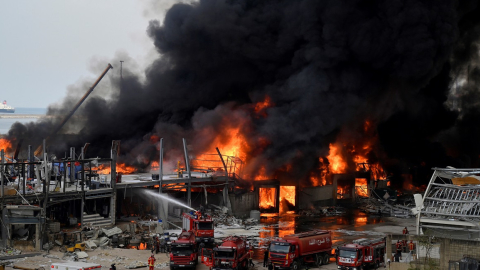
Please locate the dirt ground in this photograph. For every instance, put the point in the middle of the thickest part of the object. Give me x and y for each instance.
(105, 257)
(123, 258)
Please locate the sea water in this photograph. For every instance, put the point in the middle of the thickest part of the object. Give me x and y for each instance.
(6, 123)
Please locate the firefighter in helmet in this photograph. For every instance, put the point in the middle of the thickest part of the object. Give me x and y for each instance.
(398, 245)
(151, 262)
(411, 247)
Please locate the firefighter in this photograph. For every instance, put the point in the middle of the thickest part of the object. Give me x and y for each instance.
(405, 230)
(152, 243)
(404, 245)
(157, 245)
(399, 246)
(411, 247)
(151, 262)
(265, 258)
(397, 256)
(250, 258)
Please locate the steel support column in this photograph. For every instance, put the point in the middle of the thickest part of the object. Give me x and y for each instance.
(113, 176)
(225, 190)
(162, 204)
(187, 165)
(72, 165)
(2, 169)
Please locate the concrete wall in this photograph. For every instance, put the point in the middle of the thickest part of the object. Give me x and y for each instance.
(444, 249)
(311, 197)
(243, 203)
(398, 266)
(457, 249)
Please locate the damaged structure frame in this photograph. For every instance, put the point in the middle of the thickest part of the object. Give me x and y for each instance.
(450, 206)
(24, 201)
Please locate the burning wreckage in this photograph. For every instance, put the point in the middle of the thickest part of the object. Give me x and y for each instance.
(50, 195)
(449, 206)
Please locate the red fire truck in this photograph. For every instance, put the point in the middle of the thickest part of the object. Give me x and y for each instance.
(231, 254)
(361, 253)
(292, 251)
(183, 251)
(201, 224)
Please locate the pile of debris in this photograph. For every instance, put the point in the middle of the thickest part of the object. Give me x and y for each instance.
(9, 252)
(128, 235)
(324, 211)
(384, 208)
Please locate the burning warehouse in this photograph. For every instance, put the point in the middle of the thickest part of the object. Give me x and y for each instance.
(300, 111)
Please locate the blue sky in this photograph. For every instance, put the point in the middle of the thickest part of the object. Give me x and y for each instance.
(48, 45)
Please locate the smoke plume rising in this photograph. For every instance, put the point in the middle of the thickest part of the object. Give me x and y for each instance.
(326, 66)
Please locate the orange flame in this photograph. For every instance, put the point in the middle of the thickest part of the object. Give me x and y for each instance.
(287, 194)
(262, 175)
(361, 187)
(319, 178)
(154, 165)
(356, 152)
(5, 144)
(261, 106)
(231, 143)
(121, 168)
(337, 164)
(142, 246)
(340, 192)
(360, 221)
(315, 181)
(267, 198)
(154, 139)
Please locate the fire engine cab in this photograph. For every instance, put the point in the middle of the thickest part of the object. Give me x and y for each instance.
(183, 251)
(201, 224)
(360, 254)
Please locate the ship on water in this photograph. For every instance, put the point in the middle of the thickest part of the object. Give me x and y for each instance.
(4, 108)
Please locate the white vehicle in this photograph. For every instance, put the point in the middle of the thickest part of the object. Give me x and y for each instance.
(75, 266)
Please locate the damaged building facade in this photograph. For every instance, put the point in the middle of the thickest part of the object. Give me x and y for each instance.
(45, 196)
(41, 196)
(451, 204)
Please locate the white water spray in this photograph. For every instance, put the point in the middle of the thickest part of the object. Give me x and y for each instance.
(163, 197)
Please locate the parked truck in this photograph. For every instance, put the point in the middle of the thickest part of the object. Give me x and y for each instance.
(292, 251)
(201, 224)
(183, 251)
(232, 254)
(361, 254)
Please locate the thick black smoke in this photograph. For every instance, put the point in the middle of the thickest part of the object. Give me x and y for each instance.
(326, 65)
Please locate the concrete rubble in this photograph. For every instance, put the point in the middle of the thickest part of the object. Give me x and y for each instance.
(136, 264)
(10, 252)
(111, 232)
